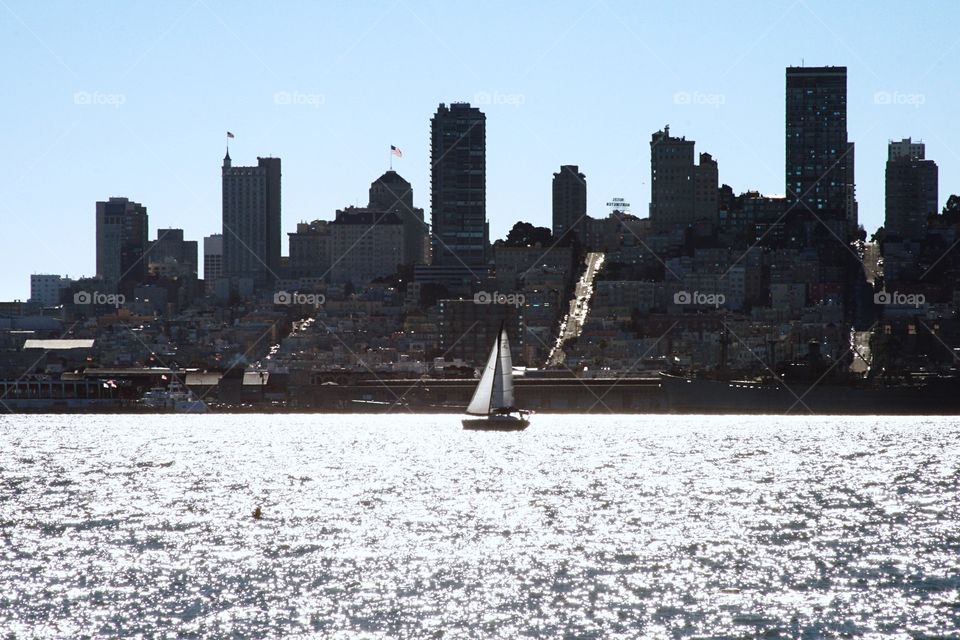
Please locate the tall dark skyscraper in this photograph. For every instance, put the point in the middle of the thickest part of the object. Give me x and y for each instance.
(121, 243)
(819, 158)
(458, 180)
(569, 201)
(911, 190)
(251, 220)
(390, 192)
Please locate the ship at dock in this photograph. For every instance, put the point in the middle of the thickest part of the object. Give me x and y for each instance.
(812, 385)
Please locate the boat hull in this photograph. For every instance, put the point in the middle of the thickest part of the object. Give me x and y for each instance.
(692, 395)
(496, 423)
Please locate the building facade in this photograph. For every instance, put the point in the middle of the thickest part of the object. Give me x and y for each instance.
(46, 289)
(212, 259)
(819, 158)
(310, 250)
(569, 201)
(122, 229)
(364, 244)
(458, 196)
(390, 192)
(911, 190)
(173, 253)
(251, 221)
(681, 191)
(706, 186)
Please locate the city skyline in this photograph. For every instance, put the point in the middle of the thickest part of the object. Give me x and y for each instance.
(94, 131)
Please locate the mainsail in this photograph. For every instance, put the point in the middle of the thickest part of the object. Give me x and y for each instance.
(495, 390)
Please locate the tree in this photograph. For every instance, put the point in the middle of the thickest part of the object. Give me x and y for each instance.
(951, 210)
(524, 234)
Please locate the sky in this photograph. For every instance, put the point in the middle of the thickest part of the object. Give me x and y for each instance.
(134, 99)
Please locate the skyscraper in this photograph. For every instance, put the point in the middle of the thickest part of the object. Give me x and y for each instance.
(390, 192)
(212, 260)
(251, 220)
(569, 201)
(819, 158)
(458, 176)
(911, 190)
(706, 189)
(121, 243)
(681, 192)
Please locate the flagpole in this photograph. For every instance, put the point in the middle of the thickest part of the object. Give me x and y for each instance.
(391, 158)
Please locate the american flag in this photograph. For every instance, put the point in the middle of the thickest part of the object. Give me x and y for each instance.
(230, 135)
(396, 151)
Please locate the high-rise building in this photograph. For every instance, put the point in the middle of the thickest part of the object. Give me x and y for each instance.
(458, 196)
(681, 192)
(121, 243)
(390, 192)
(569, 201)
(212, 260)
(310, 250)
(251, 221)
(364, 244)
(819, 158)
(911, 190)
(172, 254)
(706, 185)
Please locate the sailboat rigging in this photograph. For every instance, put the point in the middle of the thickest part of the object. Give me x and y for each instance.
(493, 397)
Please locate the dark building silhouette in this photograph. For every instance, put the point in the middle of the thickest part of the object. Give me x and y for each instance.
(706, 185)
(171, 250)
(212, 260)
(468, 329)
(251, 221)
(122, 229)
(681, 192)
(390, 192)
(911, 190)
(819, 158)
(458, 197)
(310, 250)
(569, 201)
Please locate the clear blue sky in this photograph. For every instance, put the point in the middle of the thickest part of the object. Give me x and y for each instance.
(568, 83)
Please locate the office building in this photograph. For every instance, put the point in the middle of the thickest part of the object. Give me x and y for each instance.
(364, 245)
(122, 229)
(911, 190)
(171, 254)
(569, 201)
(819, 158)
(390, 192)
(251, 221)
(458, 207)
(681, 191)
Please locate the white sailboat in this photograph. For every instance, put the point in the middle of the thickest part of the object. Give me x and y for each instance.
(493, 398)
